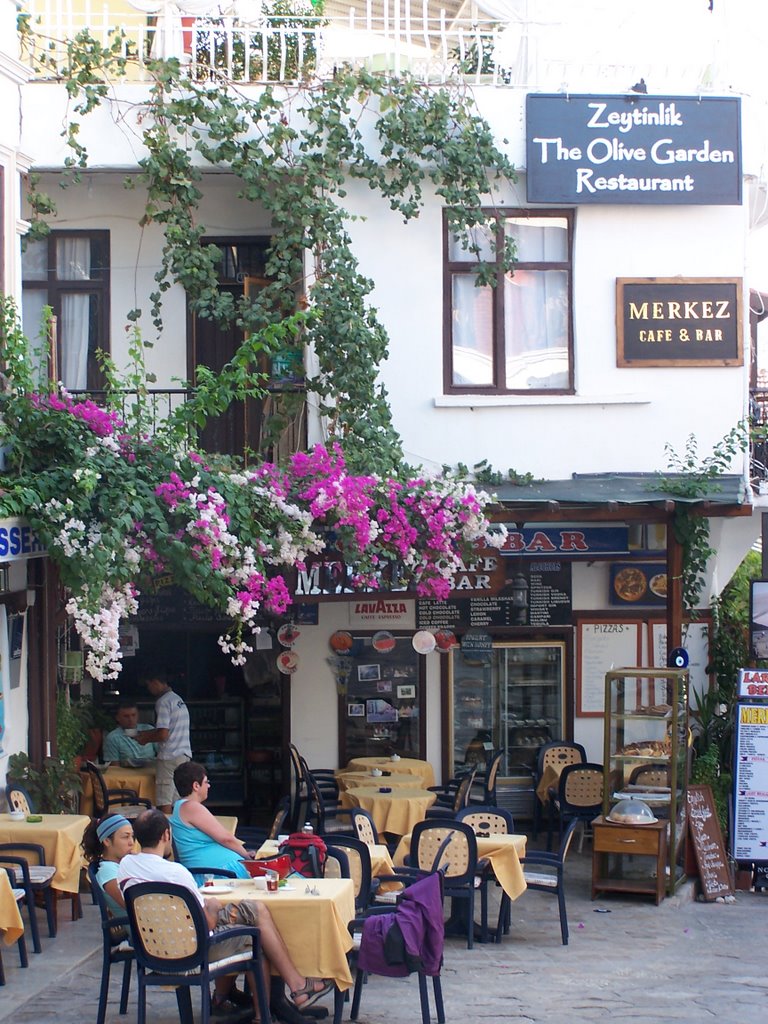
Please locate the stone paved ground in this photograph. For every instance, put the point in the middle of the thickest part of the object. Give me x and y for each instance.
(680, 962)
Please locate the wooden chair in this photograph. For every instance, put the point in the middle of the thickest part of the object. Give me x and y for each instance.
(557, 754)
(19, 895)
(173, 947)
(114, 801)
(115, 949)
(579, 797)
(544, 873)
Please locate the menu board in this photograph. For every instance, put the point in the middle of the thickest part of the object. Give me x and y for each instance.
(750, 784)
(708, 846)
(545, 593)
(601, 646)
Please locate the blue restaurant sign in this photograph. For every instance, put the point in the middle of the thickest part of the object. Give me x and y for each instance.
(633, 149)
(566, 541)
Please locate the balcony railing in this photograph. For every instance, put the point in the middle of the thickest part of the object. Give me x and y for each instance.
(435, 40)
(274, 426)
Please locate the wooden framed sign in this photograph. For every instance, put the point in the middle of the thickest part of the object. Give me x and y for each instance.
(676, 321)
(708, 846)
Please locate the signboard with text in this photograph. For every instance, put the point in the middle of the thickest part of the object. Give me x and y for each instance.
(672, 321)
(750, 783)
(633, 149)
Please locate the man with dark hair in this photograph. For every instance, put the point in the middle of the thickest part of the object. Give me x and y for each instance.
(153, 833)
(121, 744)
(171, 733)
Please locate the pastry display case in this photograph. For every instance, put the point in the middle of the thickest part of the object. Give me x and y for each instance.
(508, 698)
(646, 759)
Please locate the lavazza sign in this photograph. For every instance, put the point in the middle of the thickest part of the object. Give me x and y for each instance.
(633, 149)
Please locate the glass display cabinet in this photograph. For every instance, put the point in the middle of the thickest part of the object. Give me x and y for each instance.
(646, 758)
(510, 698)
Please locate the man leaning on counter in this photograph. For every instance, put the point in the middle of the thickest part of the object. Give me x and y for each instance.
(121, 743)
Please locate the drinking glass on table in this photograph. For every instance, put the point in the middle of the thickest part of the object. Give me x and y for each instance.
(272, 880)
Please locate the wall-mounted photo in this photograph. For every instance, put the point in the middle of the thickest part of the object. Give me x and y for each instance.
(368, 673)
(380, 711)
(384, 686)
(356, 710)
(406, 692)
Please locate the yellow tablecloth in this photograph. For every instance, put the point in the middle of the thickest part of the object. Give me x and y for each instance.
(396, 812)
(314, 928)
(406, 765)
(352, 780)
(549, 777)
(10, 919)
(142, 780)
(503, 852)
(60, 836)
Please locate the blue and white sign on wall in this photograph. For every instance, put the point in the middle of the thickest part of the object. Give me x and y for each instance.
(633, 149)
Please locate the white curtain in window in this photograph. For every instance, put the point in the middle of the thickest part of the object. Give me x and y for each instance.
(536, 329)
(32, 302)
(472, 332)
(73, 263)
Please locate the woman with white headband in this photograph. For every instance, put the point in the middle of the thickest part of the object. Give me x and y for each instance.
(105, 843)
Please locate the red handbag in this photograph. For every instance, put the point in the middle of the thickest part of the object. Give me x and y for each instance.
(257, 868)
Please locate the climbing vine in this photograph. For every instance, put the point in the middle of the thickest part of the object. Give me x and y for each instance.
(698, 477)
(399, 136)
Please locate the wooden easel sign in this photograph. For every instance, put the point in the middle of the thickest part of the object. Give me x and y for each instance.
(708, 846)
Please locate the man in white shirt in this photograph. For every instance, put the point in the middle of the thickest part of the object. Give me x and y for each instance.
(153, 833)
(121, 743)
(171, 733)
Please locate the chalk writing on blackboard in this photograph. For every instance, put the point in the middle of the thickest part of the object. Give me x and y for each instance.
(708, 844)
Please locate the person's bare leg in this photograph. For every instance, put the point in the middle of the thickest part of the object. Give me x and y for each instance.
(276, 951)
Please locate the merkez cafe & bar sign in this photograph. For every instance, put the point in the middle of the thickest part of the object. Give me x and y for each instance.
(633, 149)
(663, 321)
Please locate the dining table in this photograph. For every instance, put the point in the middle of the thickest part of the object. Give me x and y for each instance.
(423, 770)
(395, 812)
(60, 836)
(502, 851)
(117, 776)
(311, 915)
(11, 925)
(353, 780)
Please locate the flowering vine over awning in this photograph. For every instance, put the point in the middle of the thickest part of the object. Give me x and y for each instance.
(116, 506)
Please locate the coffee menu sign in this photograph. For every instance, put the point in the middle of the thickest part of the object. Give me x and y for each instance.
(663, 321)
(633, 149)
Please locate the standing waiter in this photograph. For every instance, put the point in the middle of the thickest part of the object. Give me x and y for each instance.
(171, 734)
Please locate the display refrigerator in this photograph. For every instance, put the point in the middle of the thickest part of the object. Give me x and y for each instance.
(509, 699)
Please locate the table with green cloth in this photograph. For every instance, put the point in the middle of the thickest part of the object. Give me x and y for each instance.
(11, 924)
(141, 780)
(312, 915)
(60, 836)
(406, 765)
(396, 812)
(503, 852)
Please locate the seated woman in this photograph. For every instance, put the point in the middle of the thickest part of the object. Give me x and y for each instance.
(105, 843)
(200, 840)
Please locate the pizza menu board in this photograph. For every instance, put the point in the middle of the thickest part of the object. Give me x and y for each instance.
(750, 799)
(546, 593)
(601, 646)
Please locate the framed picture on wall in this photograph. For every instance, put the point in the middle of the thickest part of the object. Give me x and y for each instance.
(406, 692)
(368, 673)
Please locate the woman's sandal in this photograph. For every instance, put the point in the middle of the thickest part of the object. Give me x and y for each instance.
(311, 992)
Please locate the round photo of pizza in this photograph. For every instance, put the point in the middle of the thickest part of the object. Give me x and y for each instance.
(630, 584)
(658, 584)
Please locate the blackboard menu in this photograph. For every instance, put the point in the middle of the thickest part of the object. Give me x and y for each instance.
(750, 803)
(708, 847)
(546, 593)
(173, 605)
